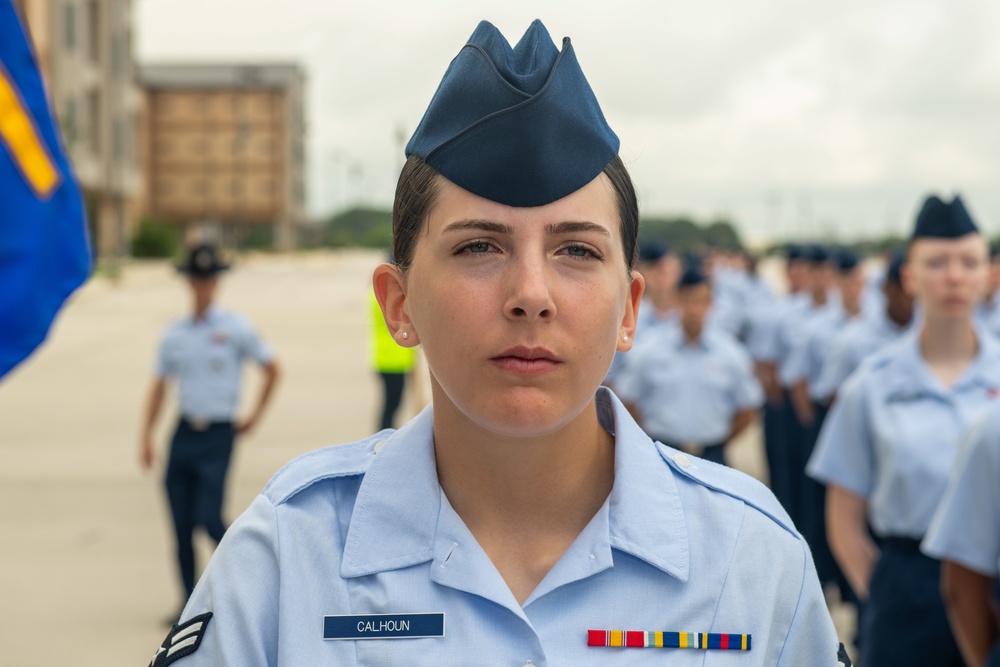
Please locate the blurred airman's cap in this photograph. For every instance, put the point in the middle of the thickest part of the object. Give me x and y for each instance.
(894, 270)
(846, 260)
(519, 126)
(652, 251)
(203, 261)
(691, 277)
(943, 220)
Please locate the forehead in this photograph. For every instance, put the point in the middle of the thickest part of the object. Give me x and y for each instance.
(968, 244)
(594, 202)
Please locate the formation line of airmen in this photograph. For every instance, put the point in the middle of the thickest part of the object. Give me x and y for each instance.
(875, 390)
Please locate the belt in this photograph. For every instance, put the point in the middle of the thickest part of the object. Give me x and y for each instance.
(900, 543)
(202, 424)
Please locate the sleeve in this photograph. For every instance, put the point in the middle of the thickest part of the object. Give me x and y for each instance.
(845, 451)
(966, 526)
(253, 346)
(242, 630)
(796, 366)
(749, 393)
(762, 341)
(166, 357)
(836, 368)
(811, 638)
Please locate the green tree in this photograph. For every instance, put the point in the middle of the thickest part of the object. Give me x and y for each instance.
(156, 239)
(364, 227)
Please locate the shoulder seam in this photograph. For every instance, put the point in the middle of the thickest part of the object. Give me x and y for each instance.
(785, 523)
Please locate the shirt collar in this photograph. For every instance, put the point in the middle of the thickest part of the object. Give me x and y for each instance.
(643, 516)
(680, 341)
(914, 378)
(211, 315)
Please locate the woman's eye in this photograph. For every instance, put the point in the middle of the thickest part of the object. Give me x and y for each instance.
(579, 251)
(476, 247)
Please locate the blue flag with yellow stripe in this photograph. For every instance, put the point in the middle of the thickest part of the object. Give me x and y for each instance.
(44, 251)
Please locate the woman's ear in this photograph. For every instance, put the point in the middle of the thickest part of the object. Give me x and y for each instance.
(390, 290)
(626, 332)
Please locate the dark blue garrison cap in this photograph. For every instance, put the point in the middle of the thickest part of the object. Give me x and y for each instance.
(652, 251)
(941, 220)
(894, 272)
(794, 253)
(846, 261)
(691, 277)
(816, 254)
(517, 126)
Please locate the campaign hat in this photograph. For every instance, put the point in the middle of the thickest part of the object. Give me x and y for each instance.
(203, 261)
(516, 125)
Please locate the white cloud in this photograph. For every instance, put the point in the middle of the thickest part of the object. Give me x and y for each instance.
(844, 112)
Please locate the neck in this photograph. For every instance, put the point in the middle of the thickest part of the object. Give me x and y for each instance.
(852, 307)
(819, 297)
(692, 332)
(948, 340)
(200, 310)
(513, 488)
(663, 301)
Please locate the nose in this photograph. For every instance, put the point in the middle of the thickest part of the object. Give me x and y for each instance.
(529, 291)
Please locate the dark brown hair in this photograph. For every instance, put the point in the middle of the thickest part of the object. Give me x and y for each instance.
(417, 191)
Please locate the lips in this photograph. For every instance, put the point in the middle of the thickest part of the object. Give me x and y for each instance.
(524, 360)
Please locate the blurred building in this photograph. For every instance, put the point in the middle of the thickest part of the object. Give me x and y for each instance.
(223, 145)
(84, 48)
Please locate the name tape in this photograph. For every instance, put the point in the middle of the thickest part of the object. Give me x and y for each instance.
(383, 626)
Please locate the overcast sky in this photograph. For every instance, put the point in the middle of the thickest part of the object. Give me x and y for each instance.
(792, 117)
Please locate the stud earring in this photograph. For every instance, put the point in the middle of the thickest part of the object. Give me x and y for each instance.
(625, 337)
(406, 335)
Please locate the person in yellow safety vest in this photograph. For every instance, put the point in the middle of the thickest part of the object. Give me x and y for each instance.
(390, 361)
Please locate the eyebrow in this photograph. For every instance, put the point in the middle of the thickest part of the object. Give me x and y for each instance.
(573, 227)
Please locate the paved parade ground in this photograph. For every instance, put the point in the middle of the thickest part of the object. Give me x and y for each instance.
(87, 575)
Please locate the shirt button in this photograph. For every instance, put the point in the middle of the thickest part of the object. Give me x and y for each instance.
(379, 445)
(682, 460)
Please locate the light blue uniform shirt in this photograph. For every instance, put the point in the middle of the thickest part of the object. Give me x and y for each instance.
(812, 347)
(966, 526)
(893, 433)
(206, 358)
(365, 528)
(647, 323)
(763, 342)
(988, 315)
(688, 392)
(852, 345)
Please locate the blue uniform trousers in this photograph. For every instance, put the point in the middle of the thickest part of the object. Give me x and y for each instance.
(776, 449)
(904, 623)
(195, 481)
(813, 495)
(782, 436)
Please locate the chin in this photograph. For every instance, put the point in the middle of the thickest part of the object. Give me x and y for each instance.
(524, 414)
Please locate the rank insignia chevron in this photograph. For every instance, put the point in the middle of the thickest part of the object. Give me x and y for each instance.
(183, 640)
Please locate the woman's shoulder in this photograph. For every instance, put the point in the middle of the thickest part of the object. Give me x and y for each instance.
(726, 491)
(336, 461)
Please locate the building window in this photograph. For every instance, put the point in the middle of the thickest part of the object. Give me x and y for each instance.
(94, 119)
(69, 121)
(69, 26)
(94, 30)
(118, 139)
